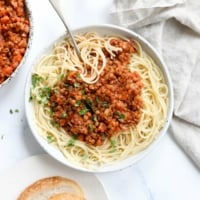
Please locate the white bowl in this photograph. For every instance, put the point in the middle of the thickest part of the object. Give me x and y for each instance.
(30, 17)
(55, 153)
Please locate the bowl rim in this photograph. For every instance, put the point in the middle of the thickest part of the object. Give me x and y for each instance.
(28, 47)
(104, 28)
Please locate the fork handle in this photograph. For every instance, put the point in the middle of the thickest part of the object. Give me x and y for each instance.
(56, 5)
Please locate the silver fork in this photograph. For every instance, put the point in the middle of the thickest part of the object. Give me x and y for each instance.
(55, 4)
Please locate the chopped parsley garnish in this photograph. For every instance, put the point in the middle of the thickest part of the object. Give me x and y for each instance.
(88, 103)
(71, 142)
(113, 142)
(105, 104)
(76, 85)
(61, 77)
(78, 76)
(120, 116)
(78, 103)
(50, 111)
(113, 145)
(50, 138)
(95, 118)
(54, 123)
(12, 111)
(91, 128)
(36, 79)
(83, 92)
(83, 111)
(44, 94)
(112, 150)
(97, 100)
(64, 115)
(31, 97)
(85, 156)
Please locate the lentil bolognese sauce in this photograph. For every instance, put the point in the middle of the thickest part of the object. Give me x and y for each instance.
(14, 33)
(94, 112)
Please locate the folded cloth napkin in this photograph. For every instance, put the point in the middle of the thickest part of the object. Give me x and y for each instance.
(173, 28)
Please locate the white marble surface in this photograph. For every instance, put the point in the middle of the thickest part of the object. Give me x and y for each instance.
(165, 174)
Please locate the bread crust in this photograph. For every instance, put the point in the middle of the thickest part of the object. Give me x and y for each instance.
(49, 187)
(65, 196)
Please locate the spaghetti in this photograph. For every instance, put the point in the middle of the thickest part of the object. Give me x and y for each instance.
(54, 67)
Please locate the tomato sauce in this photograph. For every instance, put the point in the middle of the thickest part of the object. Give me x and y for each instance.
(14, 33)
(94, 112)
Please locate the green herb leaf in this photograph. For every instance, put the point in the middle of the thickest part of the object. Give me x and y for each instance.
(61, 77)
(120, 116)
(44, 94)
(50, 138)
(71, 142)
(78, 76)
(64, 115)
(105, 104)
(12, 111)
(50, 111)
(83, 111)
(85, 156)
(75, 136)
(113, 150)
(83, 92)
(113, 144)
(97, 100)
(91, 128)
(78, 103)
(47, 77)
(95, 118)
(36, 79)
(88, 103)
(67, 85)
(30, 98)
(76, 85)
(54, 123)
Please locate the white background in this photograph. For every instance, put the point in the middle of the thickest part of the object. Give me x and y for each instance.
(166, 173)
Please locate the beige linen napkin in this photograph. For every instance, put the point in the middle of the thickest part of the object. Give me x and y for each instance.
(173, 28)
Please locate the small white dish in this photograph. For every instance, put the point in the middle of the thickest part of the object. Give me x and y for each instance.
(24, 173)
(150, 50)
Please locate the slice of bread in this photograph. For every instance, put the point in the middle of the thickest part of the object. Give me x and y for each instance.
(53, 188)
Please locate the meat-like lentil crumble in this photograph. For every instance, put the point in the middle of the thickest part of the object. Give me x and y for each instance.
(94, 112)
(14, 32)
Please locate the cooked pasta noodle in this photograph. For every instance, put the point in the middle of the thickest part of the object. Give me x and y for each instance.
(51, 69)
